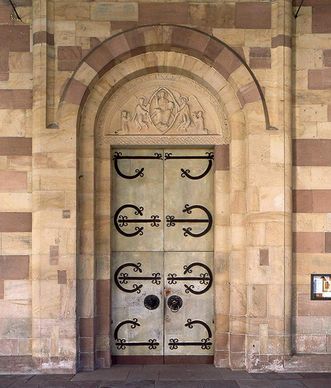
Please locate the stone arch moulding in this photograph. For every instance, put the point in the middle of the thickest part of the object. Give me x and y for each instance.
(170, 38)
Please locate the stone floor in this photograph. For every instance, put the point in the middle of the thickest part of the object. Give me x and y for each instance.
(169, 376)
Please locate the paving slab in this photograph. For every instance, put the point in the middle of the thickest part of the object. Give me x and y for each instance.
(116, 373)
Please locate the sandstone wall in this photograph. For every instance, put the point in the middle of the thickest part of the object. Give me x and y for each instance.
(15, 179)
(311, 172)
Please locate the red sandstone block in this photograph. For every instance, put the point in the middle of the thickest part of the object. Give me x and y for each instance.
(237, 343)
(260, 58)
(15, 146)
(122, 25)
(86, 345)
(321, 18)
(328, 242)
(62, 277)
(5, 12)
(15, 99)
(189, 38)
(99, 58)
(75, 92)
(103, 295)
(13, 181)
(43, 37)
(302, 201)
(212, 15)
(15, 37)
(14, 267)
(321, 201)
(319, 79)
(281, 40)
(86, 327)
(176, 13)
(309, 242)
(307, 307)
(68, 57)
(311, 152)
(264, 256)
(327, 58)
(253, 15)
(2, 289)
(329, 112)
(248, 93)
(308, 3)
(222, 157)
(15, 222)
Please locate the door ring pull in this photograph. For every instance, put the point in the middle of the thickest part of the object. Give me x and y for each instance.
(175, 303)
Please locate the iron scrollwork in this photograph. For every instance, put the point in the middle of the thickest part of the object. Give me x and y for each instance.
(187, 172)
(121, 220)
(204, 343)
(171, 220)
(122, 278)
(122, 343)
(204, 278)
(139, 172)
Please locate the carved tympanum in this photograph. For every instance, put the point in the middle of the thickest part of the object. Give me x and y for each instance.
(158, 104)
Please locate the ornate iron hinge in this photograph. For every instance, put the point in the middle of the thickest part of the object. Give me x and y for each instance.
(204, 343)
(205, 278)
(121, 221)
(139, 172)
(122, 343)
(171, 221)
(121, 278)
(187, 172)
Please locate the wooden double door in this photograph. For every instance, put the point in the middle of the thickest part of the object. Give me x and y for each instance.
(162, 255)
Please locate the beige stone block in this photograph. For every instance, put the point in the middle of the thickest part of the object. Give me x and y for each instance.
(256, 234)
(323, 130)
(312, 177)
(305, 130)
(265, 175)
(303, 23)
(15, 309)
(17, 290)
(16, 243)
(96, 29)
(16, 122)
(310, 343)
(257, 300)
(238, 300)
(306, 264)
(85, 301)
(223, 240)
(311, 222)
(313, 112)
(85, 74)
(20, 62)
(49, 200)
(25, 346)
(238, 202)
(114, 11)
(233, 37)
(237, 267)
(3, 162)
(274, 233)
(77, 10)
(308, 58)
(275, 300)
(276, 149)
(257, 38)
(259, 148)
(238, 236)
(271, 199)
(17, 81)
(15, 202)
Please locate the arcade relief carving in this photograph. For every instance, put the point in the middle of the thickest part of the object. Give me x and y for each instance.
(162, 104)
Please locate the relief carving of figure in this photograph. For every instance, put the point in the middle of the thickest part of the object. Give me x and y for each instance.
(141, 114)
(185, 114)
(199, 121)
(163, 113)
(125, 119)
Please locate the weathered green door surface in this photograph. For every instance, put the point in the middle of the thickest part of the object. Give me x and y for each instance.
(162, 260)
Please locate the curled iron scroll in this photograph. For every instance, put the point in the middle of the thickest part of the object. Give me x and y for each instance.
(121, 220)
(185, 172)
(139, 172)
(171, 220)
(123, 278)
(204, 278)
(122, 343)
(204, 343)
